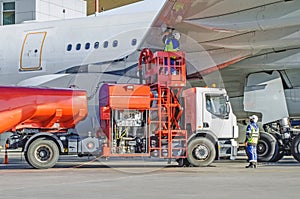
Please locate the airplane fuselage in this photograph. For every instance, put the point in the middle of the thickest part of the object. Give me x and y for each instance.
(39, 48)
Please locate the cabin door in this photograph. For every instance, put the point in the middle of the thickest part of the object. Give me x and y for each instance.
(31, 53)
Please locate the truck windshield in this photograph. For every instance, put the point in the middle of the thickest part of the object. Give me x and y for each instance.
(216, 105)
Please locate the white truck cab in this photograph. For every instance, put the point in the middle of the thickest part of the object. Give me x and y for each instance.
(209, 117)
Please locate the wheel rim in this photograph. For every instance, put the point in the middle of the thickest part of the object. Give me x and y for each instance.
(201, 152)
(43, 153)
(262, 148)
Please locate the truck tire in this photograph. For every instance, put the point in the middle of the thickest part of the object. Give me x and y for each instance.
(201, 152)
(266, 147)
(42, 153)
(296, 148)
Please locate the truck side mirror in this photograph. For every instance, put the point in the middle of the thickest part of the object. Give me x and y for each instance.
(227, 98)
(226, 116)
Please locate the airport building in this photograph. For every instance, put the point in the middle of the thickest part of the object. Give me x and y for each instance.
(18, 11)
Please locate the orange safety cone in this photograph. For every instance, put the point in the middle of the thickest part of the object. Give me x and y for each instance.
(5, 155)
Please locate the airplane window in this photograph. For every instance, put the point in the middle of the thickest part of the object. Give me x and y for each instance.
(96, 45)
(78, 46)
(105, 44)
(69, 47)
(115, 43)
(87, 46)
(133, 42)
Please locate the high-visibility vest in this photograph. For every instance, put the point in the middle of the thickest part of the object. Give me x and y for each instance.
(169, 47)
(253, 135)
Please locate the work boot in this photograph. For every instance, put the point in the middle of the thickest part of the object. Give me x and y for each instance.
(251, 165)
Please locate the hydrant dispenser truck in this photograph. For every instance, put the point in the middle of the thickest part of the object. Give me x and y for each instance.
(157, 118)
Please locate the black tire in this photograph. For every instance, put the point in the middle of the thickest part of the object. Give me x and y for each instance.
(183, 162)
(42, 154)
(296, 148)
(201, 152)
(279, 152)
(266, 147)
(278, 156)
(26, 158)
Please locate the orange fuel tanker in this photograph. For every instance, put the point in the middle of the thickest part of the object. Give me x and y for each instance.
(41, 119)
(45, 109)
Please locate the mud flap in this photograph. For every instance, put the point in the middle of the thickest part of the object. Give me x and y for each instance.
(264, 93)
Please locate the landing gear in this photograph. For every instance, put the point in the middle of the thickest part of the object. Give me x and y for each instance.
(279, 149)
(280, 140)
(277, 156)
(266, 147)
(296, 148)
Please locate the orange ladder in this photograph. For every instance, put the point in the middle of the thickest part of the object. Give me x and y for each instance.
(167, 78)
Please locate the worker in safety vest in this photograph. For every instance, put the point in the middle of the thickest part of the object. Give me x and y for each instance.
(171, 41)
(252, 135)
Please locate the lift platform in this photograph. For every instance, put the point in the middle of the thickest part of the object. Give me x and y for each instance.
(167, 69)
(165, 72)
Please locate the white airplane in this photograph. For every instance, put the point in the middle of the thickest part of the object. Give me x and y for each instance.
(251, 48)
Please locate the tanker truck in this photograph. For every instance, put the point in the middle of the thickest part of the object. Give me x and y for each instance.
(42, 121)
(158, 118)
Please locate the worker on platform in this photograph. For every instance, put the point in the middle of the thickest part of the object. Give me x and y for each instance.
(252, 135)
(171, 41)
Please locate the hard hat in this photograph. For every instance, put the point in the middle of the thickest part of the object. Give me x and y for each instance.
(254, 118)
(176, 35)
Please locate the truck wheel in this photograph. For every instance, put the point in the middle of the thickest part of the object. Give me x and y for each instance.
(201, 152)
(42, 154)
(266, 147)
(296, 148)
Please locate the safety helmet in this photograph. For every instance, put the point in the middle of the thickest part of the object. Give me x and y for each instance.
(176, 35)
(254, 118)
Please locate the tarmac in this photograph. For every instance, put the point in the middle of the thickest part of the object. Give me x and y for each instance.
(131, 178)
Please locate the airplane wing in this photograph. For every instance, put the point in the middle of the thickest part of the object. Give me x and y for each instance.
(226, 40)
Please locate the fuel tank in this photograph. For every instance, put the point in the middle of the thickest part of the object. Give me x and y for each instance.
(42, 108)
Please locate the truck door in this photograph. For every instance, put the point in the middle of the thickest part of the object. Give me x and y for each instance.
(31, 53)
(216, 117)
